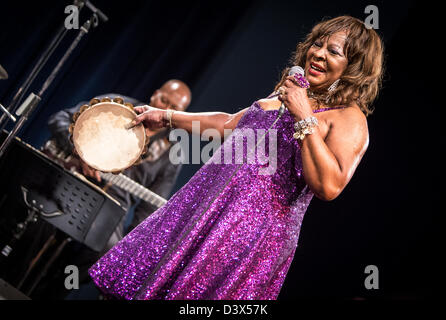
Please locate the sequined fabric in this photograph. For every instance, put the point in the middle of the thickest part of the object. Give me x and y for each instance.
(218, 237)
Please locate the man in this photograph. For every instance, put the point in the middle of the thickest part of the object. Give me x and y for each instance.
(155, 172)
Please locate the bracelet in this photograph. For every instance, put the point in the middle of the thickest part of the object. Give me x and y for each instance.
(304, 127)
(169, 117)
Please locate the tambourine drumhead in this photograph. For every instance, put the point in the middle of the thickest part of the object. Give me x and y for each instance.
(103, 142)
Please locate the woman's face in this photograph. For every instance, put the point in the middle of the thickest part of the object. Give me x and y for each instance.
(326, 61)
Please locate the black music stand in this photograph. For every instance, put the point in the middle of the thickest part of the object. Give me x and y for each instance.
(70, 203)
(78, 208)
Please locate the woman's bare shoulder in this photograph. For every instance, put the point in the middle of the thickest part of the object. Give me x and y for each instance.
(350, 122)
(352, 113)
(348, 129)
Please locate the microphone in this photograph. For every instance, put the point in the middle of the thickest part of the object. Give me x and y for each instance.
(292, 72)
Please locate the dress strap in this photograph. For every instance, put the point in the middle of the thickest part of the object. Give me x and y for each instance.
(328, 108)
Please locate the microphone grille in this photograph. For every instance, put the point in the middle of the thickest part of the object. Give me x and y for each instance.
(296, 69)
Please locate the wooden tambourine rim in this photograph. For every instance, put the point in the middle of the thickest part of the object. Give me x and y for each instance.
(89, 110)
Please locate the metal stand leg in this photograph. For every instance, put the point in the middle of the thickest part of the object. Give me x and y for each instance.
(51, 240)
(48, 265)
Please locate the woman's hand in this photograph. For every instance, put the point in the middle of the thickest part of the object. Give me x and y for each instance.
(152, 118)
(295, 99)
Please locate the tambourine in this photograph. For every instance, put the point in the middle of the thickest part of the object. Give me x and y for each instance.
(101, 138)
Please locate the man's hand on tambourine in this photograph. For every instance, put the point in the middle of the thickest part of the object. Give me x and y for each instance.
(89, 171)
(152, 118)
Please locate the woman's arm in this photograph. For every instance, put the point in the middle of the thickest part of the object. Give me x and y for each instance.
(328, 162)
(154, 118)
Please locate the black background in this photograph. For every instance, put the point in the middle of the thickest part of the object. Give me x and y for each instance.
(231, 53)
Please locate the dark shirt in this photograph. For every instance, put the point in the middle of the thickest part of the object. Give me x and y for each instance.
(158, 174)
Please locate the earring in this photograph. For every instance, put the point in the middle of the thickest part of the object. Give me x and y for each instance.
(333, 86)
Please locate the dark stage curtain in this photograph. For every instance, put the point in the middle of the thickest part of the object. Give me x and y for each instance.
(143, 44)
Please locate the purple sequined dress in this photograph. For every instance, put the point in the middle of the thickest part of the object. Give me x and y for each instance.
(217, 237)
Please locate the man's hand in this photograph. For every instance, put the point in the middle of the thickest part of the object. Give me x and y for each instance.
(89, 171)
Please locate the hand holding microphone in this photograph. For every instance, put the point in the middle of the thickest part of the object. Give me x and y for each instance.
(293, 93)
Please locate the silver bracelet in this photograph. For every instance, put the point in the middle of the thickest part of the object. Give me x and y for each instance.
(169, 114)
(304, 127)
